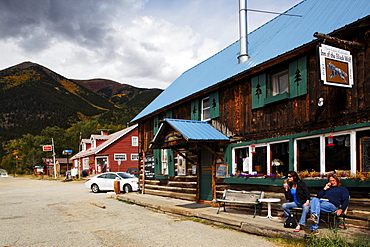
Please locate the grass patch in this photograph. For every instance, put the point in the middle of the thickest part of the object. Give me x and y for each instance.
(331, 239)
(127, 202)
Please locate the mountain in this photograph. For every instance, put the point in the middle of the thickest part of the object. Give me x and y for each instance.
(123, 95)
(33, 97)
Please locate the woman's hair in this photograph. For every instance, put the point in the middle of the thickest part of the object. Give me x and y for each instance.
(333, 175)
(295, 176)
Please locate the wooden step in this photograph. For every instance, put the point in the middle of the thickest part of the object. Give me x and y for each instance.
(182, 184)
(169, 188)
(189, 197)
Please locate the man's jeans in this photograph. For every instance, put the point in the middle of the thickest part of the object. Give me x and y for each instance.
(288, 205)
(317, 206)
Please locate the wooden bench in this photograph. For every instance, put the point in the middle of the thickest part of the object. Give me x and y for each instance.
(240, 198)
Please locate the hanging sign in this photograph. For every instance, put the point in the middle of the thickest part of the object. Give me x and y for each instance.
(172, 136)
(336, 66)
(47, 148)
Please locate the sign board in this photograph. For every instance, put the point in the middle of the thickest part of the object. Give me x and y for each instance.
(181, 165)
(119, 157)
(221, 170)
(47, 148)
(149, 167)
(67, 152)
(172, 136)
(336, 66)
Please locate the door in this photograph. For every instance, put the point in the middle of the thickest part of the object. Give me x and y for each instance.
(206, 159)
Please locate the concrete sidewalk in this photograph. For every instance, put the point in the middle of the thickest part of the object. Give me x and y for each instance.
(240, 219)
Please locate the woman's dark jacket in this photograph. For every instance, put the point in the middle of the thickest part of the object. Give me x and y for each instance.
(302, 193)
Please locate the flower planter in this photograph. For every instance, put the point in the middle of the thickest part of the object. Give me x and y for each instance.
(256, 181)
(310, 182)
(161, 176)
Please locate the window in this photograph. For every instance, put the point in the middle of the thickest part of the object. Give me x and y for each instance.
(337, 155)
(85, 163)
(206, 110)
(135, 141)
(242, 160)
(111, 176)
(164, 162)
(280, 82)
(279, 158)
(119, 157)
(284, 82)
(134, 157)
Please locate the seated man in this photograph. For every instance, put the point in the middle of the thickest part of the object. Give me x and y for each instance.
(332, 198)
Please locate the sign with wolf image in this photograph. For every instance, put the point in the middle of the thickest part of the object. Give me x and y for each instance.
(336, 67)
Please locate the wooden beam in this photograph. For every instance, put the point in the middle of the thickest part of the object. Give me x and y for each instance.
(185, 157)
(336, 40)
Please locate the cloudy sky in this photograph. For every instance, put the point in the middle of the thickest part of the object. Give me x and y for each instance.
(144, 43)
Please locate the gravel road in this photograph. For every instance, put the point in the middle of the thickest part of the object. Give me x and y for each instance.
(53, 213)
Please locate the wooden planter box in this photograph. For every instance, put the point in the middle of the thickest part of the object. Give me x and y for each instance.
(311, 182)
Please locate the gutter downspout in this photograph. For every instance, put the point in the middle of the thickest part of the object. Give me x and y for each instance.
(243, 30)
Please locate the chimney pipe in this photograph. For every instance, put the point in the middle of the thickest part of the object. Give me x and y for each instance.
(243, 30)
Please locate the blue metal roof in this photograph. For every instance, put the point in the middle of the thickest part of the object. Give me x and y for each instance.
(278, 36)
(195, 130)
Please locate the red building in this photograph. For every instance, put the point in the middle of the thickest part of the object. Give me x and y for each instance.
(103, 153)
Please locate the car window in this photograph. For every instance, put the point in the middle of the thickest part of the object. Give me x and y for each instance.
(125, 175)
(111, 176)
(102, 176)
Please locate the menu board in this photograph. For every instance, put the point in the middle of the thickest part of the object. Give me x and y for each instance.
(221, 170)
(149, 167)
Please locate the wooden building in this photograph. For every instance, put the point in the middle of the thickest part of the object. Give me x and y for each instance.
(104, 152)
(298, 99)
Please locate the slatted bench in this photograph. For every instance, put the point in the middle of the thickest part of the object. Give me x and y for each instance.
(240, 198)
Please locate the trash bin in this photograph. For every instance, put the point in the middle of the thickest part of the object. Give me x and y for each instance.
(117, 187)
(84, 173)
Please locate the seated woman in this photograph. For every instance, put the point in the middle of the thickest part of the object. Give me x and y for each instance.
(297, 194)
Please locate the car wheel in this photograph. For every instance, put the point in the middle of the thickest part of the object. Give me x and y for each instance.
(127, 188)
(95, 188)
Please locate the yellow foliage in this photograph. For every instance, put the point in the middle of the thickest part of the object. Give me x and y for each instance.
(19, 78)
(70, 86)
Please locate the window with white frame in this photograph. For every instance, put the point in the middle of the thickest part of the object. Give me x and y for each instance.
(134, 157)
(164, 162)
(120, 157)
(135, 141)
(85, 163)
(280, 82)
(205, 109)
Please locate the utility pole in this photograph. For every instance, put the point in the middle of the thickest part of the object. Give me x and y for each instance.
(55, 168)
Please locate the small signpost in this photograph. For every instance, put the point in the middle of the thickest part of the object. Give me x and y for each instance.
(68, 152)
(47, 148)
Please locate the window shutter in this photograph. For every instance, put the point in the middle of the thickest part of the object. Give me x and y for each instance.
(298, 77)
(215, 105)
(194, 114)
(228, 158)
(157, 161)
(171, 163)
(258, 91)
(156, 124)
(168, 114)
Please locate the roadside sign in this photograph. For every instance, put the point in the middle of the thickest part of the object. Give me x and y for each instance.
(47, 148)
(67, 152)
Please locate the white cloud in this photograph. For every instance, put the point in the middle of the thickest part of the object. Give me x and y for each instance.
(142, 43)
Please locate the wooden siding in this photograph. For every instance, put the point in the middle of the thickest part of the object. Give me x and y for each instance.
(122, 146)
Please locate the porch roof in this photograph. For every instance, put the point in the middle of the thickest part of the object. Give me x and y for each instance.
(191, 130)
